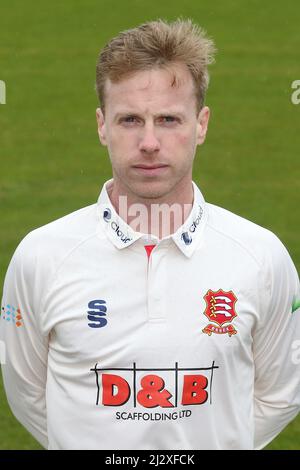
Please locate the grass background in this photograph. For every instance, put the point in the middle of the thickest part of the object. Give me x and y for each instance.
(51, 160)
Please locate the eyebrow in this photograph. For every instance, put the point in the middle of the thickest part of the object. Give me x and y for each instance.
(172, 112)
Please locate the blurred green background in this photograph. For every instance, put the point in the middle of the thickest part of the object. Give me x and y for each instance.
(52, 162)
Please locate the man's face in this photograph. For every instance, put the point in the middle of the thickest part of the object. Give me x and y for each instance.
(151, 129)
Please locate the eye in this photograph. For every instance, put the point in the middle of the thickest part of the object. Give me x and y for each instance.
(128, 120)
(168, 119)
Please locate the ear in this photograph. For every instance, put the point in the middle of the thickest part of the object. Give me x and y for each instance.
(101, 126)
(202, 125)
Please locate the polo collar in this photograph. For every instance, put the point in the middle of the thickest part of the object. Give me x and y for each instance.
(186, 237)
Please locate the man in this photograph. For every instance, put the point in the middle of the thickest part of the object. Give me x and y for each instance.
(152, 319)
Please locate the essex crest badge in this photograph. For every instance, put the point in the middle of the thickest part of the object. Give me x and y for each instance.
(220, 310)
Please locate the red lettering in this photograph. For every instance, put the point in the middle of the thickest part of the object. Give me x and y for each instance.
(194, 392)
(152, 393)
(109, 382)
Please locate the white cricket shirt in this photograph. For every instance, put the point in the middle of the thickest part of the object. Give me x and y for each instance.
(190, 347)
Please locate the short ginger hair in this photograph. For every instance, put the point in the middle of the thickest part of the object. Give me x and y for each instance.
(157, 44)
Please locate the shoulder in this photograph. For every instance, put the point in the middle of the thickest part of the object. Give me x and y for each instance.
(258, 242)
(50, 243)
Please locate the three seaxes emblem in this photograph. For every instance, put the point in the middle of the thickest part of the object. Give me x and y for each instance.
(220, 310)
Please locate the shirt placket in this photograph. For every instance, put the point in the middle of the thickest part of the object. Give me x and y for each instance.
(156, 284)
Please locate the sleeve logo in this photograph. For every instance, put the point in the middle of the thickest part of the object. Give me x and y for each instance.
(295, 305)
(13, 315)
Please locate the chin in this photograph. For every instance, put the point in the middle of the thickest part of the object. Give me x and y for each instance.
(153, 190)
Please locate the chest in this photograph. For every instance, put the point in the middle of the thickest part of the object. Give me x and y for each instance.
(131, 308)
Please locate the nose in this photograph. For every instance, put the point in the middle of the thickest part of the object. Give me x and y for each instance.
(149, 142)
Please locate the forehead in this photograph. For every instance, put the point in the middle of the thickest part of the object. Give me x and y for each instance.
(157, 87)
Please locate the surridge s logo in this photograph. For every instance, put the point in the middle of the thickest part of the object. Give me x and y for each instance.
(96, 313)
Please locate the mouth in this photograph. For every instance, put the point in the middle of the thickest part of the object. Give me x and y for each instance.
(150, 170)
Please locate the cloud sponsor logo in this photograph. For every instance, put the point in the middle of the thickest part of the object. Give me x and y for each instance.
(114, 226)
(107, 214)
(141, 389)
(185, 236)
(196, 222)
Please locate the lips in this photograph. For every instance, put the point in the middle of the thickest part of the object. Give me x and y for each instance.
(150, 167)
(150, 170)
(153, 170)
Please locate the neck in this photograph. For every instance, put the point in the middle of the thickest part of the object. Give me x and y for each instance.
(160, 216)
